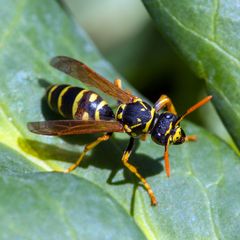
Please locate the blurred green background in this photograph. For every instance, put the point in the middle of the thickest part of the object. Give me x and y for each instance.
(126, 36)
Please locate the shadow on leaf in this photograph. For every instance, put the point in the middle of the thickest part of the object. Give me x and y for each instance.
(106, 156)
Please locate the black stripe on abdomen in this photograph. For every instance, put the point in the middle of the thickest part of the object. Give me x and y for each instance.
(68, 99)
(53, 95)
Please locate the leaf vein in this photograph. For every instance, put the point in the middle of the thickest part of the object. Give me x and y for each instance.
(205, 39)
(215, 16)
(13, 23)
(17, 148)
(206, 196)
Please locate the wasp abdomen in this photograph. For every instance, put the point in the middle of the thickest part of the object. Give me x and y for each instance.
(78, 103)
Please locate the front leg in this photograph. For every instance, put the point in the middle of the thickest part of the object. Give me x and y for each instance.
(165, 101)
(134, 170)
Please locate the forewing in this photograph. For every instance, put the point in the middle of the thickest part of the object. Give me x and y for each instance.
(73, 127)
(85, 74)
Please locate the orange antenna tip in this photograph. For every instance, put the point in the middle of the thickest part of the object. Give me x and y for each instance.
(194, 107)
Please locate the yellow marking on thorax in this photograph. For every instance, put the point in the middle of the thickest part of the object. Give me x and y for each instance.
(85, 116)
(136, 125)
(128, 130)
(76, 101)
(136, 99)
(52, 88)
(59, 104)
(145, 107)
(93, 97)
(97, 113)
(146, 129)
(119, 116)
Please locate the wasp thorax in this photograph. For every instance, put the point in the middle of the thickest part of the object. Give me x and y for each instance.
(136, 118)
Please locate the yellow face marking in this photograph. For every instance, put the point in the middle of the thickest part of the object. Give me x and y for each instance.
(76, 101)
(143, 109)
(139, 120)
(145, 130)
(59, 104)
(50, 95)
(85, 116)
(177, 135)
(97, 113)
(93, 97)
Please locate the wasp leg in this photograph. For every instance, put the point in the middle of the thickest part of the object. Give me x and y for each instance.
(191, 138)
(144, 137)
(134, 170)
(118, 83)
(165, 101)
(87, 148)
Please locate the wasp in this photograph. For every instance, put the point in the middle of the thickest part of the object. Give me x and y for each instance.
(86, 112)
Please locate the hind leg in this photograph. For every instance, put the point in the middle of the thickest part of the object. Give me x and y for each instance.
(87, 148)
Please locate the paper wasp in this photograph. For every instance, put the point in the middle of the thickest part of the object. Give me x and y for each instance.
(89, 113)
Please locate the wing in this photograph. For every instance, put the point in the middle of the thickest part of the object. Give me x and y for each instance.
(85, 74)
(72, 127)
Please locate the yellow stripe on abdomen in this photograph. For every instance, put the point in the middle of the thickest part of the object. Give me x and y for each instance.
(49, 95)
(76, 101)
(100, 105)
(59, 104)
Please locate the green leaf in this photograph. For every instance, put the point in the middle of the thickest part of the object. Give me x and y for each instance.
(206, 34)
(67, 209)
(100, 199)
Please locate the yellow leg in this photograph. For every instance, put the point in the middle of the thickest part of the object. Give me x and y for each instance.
(144, 137)
(134, 170)
(87, 148)
(118, 83)
(165, 101)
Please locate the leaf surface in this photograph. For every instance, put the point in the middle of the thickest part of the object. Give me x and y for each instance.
(100, 199)
(206, 34)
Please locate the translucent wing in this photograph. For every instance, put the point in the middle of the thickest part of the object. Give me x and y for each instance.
(72, 127)
(85, 74)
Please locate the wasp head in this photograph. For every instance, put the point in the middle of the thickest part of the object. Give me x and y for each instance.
(166, 130)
